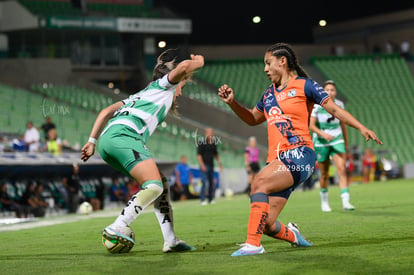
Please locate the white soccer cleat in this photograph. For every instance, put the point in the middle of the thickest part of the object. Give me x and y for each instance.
(118, 239)
(299, 239)
(249, 250)
(179, 246)
(348, 207)
(325, 207)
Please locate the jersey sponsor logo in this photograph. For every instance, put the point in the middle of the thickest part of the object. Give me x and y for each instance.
(276, 116)
(275, 111)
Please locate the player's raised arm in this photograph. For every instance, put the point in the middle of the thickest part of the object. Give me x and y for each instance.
(251, 117)
(186, 68)
(348, 119)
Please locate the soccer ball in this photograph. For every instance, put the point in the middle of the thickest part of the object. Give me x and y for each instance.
(85, 208)
(115, 243)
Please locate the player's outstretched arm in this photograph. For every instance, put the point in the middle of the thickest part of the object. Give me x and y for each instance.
(89, 148)
(185, 68)
(251, 117)
(348, 119)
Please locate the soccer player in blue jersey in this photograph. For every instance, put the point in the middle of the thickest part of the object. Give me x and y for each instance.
(286, 106)
(123, 130)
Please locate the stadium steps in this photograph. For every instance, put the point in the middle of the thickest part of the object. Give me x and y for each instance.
(245, 76)
(74, 123)
(379, 90)
(78, 96)
(19, 106)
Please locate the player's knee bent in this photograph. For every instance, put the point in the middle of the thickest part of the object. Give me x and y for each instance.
(260, 185)
(155, 187)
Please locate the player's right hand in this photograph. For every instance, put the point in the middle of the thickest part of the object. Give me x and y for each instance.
(87, 151)
(226, 93)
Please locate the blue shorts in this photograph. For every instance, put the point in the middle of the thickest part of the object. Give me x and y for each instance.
(301, 163)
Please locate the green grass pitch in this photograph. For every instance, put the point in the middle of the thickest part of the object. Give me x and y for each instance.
(376, 238)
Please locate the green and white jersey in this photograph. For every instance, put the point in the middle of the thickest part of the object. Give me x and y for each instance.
(144, 110)
(328, 124)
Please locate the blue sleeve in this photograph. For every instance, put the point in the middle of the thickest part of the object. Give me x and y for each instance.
(314, 92)
(260, 105)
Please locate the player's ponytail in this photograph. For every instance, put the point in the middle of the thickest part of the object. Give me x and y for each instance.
(284, 49)
(165, 64)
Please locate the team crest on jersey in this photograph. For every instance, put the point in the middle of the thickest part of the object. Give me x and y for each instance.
(292, 93)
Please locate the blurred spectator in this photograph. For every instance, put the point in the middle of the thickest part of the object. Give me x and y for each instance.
(6, 145)
(251, 160)
(32, 137)
(350, 167)
(368, 165)
(118, 191)
(24, 199)
(32, 200)
(53, 144)
(72, 185)
(405, 49)
(133, 187)
(46, 127)
(183, 179)
(7, 203)
(19, 145)
(206, 153)
(37, 202)
(389, 47)
(2, 144)
(90, 192)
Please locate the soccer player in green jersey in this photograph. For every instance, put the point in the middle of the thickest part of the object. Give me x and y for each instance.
(123, 130)
(330, 140)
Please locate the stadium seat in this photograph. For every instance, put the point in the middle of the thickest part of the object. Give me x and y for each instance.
(378, 90)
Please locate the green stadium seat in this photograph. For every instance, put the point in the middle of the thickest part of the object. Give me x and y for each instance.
(378, 90)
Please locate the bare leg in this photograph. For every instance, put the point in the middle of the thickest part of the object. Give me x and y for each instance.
(340, 161)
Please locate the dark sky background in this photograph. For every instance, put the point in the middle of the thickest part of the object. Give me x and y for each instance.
(229, 22)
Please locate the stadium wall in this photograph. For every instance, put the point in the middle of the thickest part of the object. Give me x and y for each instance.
(23, 72)
(373, 31)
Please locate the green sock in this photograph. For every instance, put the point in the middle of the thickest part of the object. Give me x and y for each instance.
(344, 190)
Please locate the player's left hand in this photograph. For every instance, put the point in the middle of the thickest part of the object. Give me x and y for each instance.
(87, 151)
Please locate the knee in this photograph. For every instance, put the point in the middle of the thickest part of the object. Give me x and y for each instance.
(258, 185)
(324, 175)
(155, 187)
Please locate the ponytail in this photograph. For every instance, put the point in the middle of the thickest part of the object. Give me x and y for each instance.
(165, 64)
